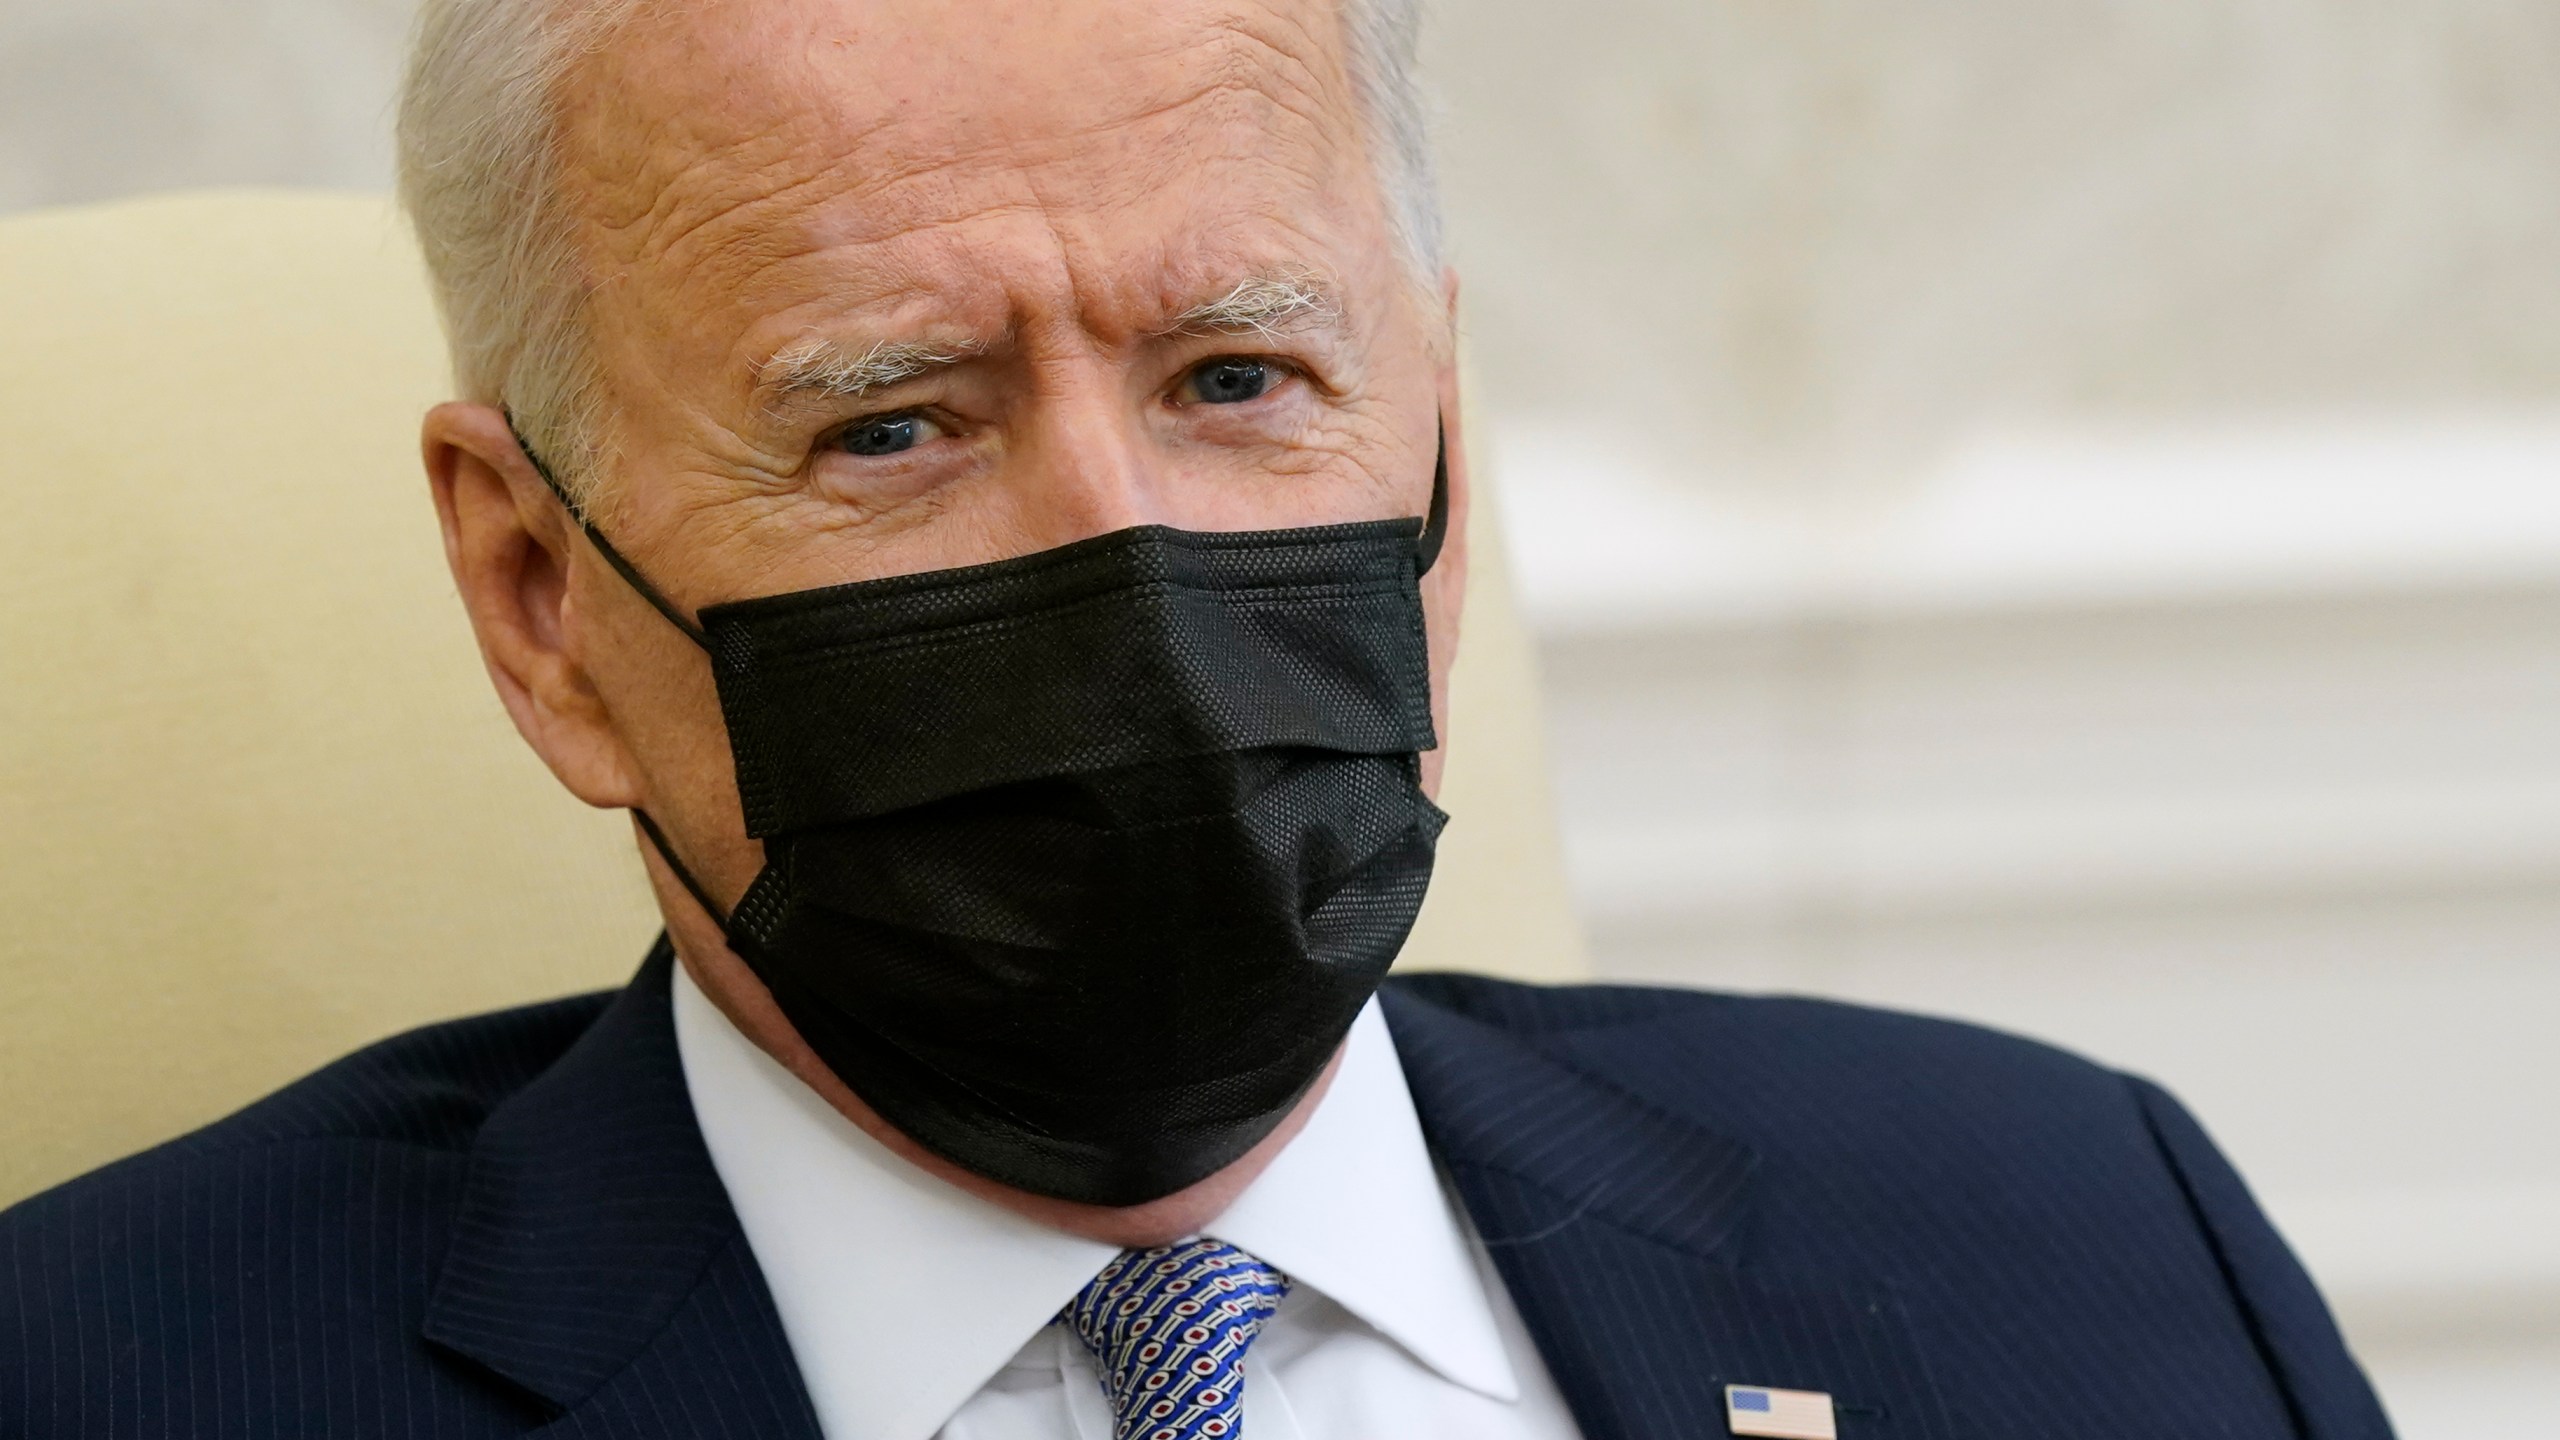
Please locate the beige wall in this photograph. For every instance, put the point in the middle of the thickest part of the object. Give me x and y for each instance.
(105, 98)
(1798, 238)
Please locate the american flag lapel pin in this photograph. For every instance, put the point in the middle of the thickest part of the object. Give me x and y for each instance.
(1779, 1414)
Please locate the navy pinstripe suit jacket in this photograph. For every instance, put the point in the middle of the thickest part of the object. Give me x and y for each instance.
(509, 1225)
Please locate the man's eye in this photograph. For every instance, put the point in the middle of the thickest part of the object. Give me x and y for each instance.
(886, 434)
(1229, 380)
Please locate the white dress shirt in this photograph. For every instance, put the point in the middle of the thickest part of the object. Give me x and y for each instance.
(917, 1311)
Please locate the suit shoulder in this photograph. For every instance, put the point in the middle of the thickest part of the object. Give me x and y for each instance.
(1807, 1046)
(427, 1089)
(1528, 1009)
(306, 1225)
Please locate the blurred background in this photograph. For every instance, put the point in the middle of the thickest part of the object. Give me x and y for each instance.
(2041, 512)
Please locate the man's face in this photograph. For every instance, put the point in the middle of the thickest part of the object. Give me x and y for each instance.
(883, 286)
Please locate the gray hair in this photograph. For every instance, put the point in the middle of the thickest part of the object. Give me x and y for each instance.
(478, 172)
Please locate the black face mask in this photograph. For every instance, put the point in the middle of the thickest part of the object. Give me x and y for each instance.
(1079, 866)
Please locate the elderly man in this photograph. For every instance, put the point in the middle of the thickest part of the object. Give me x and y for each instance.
(980, 484)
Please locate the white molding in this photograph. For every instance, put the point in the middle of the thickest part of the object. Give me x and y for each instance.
(2429, 1266)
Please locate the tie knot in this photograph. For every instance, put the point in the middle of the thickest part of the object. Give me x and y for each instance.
(1169, 1327)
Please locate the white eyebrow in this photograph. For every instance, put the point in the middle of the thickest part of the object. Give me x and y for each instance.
(832, 368)
(1259, 305)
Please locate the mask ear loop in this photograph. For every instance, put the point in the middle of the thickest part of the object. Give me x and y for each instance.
(630, 573)
(640, 584)
(684, 877)
(1435, 526)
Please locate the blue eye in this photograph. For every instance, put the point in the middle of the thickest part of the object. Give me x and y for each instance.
(1229, 380)
(886, 434)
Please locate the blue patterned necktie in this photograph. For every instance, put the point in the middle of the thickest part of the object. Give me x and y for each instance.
(1169, 1328)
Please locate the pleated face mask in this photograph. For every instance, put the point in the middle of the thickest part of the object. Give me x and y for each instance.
(1079, 866)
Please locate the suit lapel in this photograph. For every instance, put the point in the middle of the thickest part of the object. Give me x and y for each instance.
(596, 1262)
(1623, 1234)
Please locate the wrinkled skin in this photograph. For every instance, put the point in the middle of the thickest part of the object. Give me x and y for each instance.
(1038, 189)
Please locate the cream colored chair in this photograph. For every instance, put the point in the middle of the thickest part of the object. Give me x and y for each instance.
(258, 805)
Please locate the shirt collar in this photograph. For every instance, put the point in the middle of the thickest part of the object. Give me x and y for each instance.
(902, 1295)
(1354, 1208)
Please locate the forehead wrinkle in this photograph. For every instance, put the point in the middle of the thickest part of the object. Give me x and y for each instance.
(1065, 172)
(727, 177)
(754, 178)
(730, 220)
(1251, 83)
(669, 149)
(1293, 66)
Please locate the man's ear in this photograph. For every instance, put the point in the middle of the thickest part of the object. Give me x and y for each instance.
(1444, 590)
(509, 542)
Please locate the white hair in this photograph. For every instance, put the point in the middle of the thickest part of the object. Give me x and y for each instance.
(478, 172)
